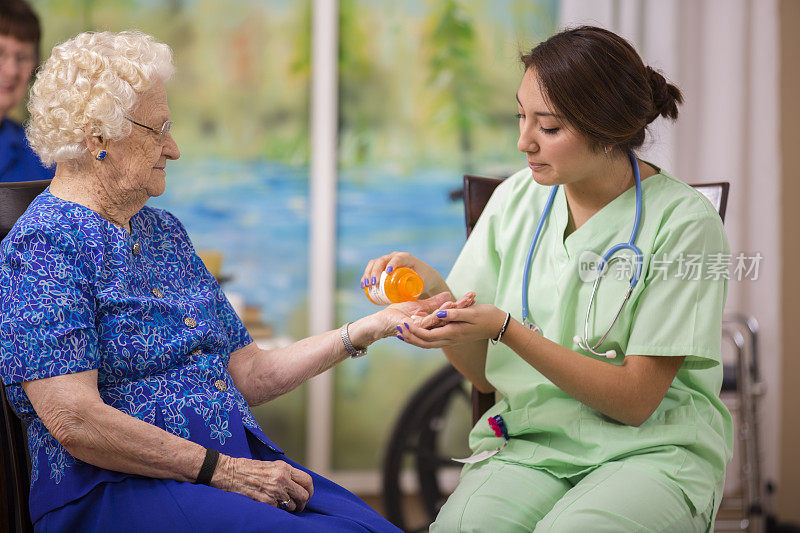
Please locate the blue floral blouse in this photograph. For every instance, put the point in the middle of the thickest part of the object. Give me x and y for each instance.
(78, 293)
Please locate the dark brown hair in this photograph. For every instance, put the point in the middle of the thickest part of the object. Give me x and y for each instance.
(19, 21)
(595, 79)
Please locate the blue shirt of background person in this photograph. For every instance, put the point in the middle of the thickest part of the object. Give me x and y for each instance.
(19, 55)
(17, 160)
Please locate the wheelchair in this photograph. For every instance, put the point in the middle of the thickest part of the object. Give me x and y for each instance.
(419, 475)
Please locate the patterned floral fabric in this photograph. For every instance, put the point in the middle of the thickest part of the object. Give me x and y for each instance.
(78, 293)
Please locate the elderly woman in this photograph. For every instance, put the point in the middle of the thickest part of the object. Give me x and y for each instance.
(119, 347)
(19, 54)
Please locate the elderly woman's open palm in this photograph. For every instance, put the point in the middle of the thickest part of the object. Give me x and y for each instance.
(401, 313)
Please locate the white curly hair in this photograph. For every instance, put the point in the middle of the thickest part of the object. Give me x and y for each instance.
(91, 82)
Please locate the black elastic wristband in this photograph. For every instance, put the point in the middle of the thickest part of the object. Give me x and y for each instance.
(502, 330)
(209, 465)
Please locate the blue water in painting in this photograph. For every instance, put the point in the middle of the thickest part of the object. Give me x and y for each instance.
(256, 213)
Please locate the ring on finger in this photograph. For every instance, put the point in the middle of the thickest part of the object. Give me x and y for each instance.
(284, 504)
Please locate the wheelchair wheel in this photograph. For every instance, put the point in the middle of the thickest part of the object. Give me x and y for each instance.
(432, 427)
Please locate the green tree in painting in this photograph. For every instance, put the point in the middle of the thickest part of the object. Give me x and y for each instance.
(455, 79)
(358, 112)
(362, 84)
(300, 67)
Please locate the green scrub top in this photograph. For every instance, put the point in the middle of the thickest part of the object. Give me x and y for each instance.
(675, 310)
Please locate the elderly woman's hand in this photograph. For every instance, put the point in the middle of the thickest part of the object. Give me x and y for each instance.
(422, 312)
(270, 482)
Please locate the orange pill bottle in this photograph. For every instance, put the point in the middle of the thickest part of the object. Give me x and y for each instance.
(401, 285)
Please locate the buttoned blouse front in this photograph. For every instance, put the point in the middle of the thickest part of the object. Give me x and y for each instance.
(78, 293)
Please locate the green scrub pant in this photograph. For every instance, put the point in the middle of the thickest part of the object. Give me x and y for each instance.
(495, 496)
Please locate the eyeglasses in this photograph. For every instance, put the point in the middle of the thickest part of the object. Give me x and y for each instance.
(162, 133)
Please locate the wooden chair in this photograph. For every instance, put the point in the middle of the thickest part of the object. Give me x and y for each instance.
(477, 191)
(15, 467)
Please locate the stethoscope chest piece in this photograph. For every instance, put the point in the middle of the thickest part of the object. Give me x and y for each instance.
(583, 342)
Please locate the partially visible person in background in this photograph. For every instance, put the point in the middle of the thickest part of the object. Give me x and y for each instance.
(19, 56)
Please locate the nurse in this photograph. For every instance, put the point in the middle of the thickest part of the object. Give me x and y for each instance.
(638, 440)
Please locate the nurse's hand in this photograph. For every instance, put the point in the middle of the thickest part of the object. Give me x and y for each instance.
(270, 482)
(453, 326)
(393, 318)
(432, 282)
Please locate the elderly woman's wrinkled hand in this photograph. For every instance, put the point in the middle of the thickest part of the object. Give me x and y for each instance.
(423, 312)
(270, 482)
(433, 320)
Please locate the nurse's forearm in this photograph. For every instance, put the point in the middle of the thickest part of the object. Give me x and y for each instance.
(470, 360)
(628, 393)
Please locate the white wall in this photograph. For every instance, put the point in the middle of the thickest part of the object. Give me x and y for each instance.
(723, 54)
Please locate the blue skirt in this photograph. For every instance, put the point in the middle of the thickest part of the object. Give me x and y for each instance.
(138, 504)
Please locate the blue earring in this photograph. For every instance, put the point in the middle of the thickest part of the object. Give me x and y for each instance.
(102, 155)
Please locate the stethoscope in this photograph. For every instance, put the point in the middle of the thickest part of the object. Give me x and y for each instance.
(583, 342)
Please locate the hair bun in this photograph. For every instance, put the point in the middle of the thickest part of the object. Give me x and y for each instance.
(666, 96)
